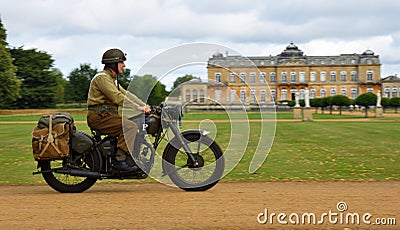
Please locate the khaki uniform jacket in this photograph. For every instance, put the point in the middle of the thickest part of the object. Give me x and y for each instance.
(103, 90)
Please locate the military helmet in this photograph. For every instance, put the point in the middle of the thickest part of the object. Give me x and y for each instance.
(113, 56)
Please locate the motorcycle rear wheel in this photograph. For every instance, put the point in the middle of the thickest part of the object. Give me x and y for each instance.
(65, 183)
(195, 178)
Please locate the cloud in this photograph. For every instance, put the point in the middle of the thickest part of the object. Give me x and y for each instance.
(78, 31)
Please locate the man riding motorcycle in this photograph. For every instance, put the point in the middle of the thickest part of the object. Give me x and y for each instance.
(104, 97)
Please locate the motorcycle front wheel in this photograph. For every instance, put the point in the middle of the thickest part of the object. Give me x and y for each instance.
(194, 177)
(66, 183)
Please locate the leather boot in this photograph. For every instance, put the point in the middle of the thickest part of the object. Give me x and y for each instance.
(121, 164)
(124, 167)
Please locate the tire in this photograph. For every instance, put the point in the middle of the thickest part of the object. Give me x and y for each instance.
(65, 183)
(194, 178)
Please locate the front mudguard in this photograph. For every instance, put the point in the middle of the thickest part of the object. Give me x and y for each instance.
(174, 142)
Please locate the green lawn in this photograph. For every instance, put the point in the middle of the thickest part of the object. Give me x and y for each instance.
(301, 150)
(331, 151)
(216, 115)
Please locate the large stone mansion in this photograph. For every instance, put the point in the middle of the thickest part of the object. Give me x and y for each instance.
(272, 79)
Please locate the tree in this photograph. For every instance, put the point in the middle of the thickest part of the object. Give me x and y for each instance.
(292, 103)
(395, 102)
(316, 102)
(60, 85)
(385, 103)
(79, 82)
(35, 70)
(158, 94)
(340, 101)
(183, 79)
(327, 101)
(10, 84)
(125, 78)
(148, 89)
(366, 99)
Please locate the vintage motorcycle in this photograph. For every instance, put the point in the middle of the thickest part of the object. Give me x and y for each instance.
(192, 160)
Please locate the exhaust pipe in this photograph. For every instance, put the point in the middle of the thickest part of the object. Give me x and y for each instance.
(77, 172)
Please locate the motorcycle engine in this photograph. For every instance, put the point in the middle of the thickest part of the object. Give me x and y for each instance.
(107, 147)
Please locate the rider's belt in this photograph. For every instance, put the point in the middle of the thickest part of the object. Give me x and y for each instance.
(103, 108)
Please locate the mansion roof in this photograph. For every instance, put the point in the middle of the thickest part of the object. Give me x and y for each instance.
(292, 55)
(391, 78)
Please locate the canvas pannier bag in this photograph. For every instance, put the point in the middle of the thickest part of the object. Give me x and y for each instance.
(50, 138)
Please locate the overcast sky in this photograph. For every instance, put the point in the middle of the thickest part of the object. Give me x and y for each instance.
(79, 31)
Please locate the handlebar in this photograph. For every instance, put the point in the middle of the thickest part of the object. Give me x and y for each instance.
(173, 112)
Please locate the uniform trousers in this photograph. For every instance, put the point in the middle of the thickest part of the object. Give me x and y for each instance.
(113, 124)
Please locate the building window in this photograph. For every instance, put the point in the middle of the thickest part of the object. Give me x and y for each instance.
(262, 95)
(333, 61)
(252, 96)
(292, 76)
(333, 92)
(370, 90)
(232, 77)
(369, 75)
(343, 92)
(322, 76)
(293, 94)
(353, 94)
(273, 95)
(394, 92)
(242, 77)
(284, 94)
(387, 92)
(284, 76)
(323, 93)
(233, 96)
(333, 76)
(252, 77)
(243, 96)
(218, 95)
(187, 95)
(343, 76)
(313, 77)
(262, 77)
(218, 77)
(353, 75)
(313, 93)
(272, 77)
(202, 96)
(194, 95)
(302, 77)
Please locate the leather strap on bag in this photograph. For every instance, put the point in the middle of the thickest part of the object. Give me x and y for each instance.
(50, 139)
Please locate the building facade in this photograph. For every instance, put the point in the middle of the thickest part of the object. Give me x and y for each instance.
(391, 86)
(273, 79)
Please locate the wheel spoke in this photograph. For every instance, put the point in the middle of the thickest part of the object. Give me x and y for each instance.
(65, 182)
